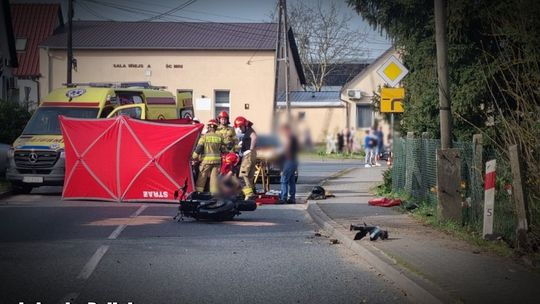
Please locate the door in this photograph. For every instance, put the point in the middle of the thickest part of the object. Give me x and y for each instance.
(137, 111)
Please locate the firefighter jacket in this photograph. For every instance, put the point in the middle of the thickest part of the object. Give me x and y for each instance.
(229, 137)
(209, 148)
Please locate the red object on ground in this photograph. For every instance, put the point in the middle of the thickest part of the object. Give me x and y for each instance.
(265, 199)
(126, 160)
(384, 202)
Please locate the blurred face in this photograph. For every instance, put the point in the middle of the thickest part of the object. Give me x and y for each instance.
(223, 121)
(242, 128)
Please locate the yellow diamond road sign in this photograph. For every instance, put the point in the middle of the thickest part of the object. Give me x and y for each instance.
(392, 71)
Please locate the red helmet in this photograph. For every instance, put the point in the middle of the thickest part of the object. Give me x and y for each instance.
(223, 114)
(240, 121)
(231, 159)
(212, 123)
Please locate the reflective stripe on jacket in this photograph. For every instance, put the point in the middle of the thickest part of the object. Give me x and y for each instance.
(210, 147)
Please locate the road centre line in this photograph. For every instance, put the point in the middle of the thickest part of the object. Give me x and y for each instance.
(121, 228)
(91, 265)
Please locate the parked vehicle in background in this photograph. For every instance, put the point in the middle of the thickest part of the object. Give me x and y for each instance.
(270, 150)
(37, 156)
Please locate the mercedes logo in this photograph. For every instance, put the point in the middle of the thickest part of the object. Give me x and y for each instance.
(32, 157)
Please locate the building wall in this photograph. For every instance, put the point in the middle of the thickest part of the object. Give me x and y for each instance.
(320, 121)
(32, 102)
(248, 75)
(368, 81)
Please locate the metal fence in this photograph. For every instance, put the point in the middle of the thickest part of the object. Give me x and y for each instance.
(414, 172)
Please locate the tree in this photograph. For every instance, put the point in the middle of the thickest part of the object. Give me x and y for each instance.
(13, 118)
(324, 38)
(494, 67)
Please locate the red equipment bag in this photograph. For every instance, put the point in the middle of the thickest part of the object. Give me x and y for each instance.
(265, 199)
(384, 202)
(126, 160)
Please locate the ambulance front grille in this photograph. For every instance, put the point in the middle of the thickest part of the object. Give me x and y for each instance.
(35, 159)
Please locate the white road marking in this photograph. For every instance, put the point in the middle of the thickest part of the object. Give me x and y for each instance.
(117, 232)
(91, 265)
(121, 228)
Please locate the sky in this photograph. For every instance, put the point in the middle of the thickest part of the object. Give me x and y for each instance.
(206, 10)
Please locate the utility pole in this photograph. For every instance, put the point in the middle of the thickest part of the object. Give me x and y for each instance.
(448, 161)
(69, 78)
(276, 67)
(442, 72)
(282, 54)
(286, 57)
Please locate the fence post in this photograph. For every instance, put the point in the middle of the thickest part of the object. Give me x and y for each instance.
(409, 170)
(489, 198)
(448, 182)
(426, 136)
(519, 198)
(477, 169)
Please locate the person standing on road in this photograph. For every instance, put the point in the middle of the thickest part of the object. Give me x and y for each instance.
(290, 165)
(208, 152)
(227, 132)
(248, 153)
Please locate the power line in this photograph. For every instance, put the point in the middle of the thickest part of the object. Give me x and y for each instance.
(173, 10)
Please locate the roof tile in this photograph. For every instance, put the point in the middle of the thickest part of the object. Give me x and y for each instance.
(167, 35)
(35, 22)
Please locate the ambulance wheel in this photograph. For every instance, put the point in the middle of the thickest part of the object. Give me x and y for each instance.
(21, 189)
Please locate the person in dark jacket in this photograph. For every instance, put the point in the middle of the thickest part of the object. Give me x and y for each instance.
(290, 165)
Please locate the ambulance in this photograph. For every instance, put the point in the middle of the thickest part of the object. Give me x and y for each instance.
(37, 156)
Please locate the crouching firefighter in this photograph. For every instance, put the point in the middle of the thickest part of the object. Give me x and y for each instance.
(227, 132)
(208, 152)
(249, 155)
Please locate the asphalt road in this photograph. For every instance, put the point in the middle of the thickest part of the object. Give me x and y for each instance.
(53, 252)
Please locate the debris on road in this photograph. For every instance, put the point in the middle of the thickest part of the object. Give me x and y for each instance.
(375, 232)
(384, 202)
(319, 193)
(334, 241)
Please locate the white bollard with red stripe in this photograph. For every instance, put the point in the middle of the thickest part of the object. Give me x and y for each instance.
(489, 197)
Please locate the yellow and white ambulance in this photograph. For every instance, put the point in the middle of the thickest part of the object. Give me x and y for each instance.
(37, 158)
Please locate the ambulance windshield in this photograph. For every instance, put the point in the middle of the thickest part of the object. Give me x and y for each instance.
(45, 119)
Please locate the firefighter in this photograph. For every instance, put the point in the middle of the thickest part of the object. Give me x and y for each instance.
(229, 181)
(227, 132)
(248, 153)
(208, 152)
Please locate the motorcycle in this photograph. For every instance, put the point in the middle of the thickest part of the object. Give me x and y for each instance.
(204, 206)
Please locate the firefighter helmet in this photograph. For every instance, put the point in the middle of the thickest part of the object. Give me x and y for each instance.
(223, 114)
(240, 121)
(212, 123)
(231, 159)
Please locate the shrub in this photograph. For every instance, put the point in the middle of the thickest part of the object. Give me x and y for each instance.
(13, 119)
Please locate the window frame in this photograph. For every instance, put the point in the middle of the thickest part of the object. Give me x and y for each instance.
(222, 105)
(368, 106)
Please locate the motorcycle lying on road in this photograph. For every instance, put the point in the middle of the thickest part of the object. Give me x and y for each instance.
(204, 206)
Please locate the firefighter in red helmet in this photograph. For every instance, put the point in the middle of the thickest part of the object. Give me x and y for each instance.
(229, 180)
(248, 153)
(208, 152)
(227, 132)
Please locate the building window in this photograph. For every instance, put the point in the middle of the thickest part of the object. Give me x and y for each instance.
(223, 102)
(364, 116)
(20, 44)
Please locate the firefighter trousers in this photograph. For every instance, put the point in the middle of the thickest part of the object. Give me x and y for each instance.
(208, 171)
(247, 172)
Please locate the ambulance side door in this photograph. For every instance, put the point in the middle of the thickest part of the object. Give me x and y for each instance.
(137, 111)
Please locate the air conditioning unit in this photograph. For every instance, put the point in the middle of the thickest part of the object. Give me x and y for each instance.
(355, 94)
